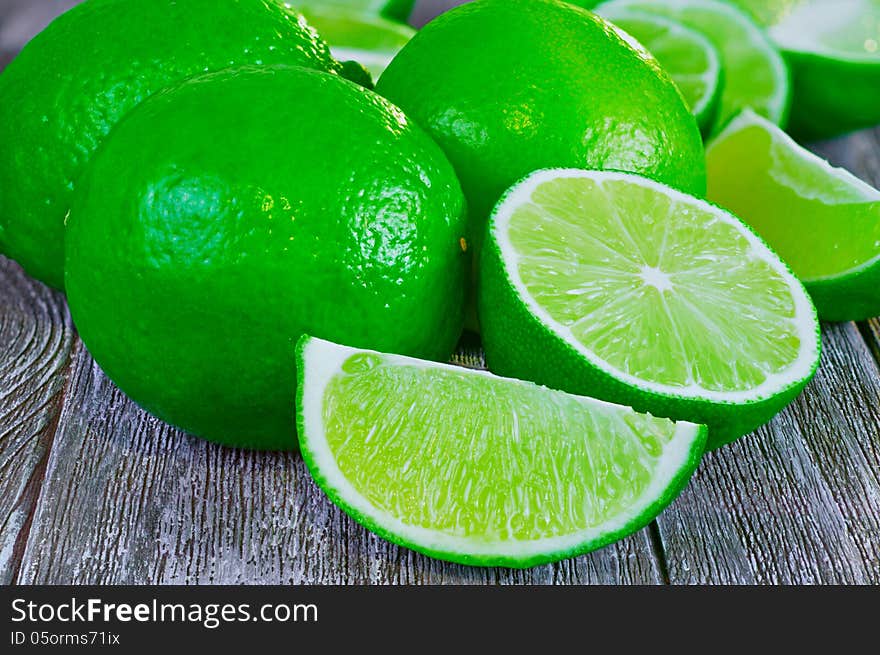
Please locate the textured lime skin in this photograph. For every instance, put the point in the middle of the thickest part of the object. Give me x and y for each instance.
(664, 499)
(517, 344)
(231, 214)
(507, 87)
(80, 76)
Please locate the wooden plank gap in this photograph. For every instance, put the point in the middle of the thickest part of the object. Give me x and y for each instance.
(659, 552)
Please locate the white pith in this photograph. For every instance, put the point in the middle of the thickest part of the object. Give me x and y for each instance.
(710, 78)
(322, 360)
(864, 191)
(778, 101)
(804, 313)
(803, 29)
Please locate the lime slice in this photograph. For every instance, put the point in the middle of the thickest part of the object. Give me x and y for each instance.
(689, 57)
(611, 285)
(464, 466)
(755, 74)
(823, 221)
(834, 51)
(369, 40)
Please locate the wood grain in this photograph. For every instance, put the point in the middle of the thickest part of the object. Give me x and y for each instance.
(35, 343)
(798, 502)
(130, 500)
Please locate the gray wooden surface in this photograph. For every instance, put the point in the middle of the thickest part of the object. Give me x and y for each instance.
(93, 490)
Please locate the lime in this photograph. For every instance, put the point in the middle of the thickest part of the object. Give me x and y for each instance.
(398, 10)
(194, 264)
(834, 52)
(689, 57)
(69, 87)
(465, 466)
(755, 74)
(371, 41)
(823, 221)
(509, 86)
(612, 285)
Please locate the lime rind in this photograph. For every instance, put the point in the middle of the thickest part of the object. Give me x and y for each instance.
(319, 361)
(710, 80)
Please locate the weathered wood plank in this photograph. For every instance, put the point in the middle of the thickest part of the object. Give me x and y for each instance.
(35, 343)
(130, 500)
(798, 501)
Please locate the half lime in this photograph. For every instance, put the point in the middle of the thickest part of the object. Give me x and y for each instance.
(612, 285)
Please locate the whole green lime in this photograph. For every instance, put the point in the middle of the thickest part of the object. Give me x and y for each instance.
(510, 86)
(227, 216)
(75, 80)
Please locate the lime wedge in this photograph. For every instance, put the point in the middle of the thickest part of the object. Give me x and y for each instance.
(464, 466)
(755, 74)
(369, 40)
(823, 221)
(689, 57)
(611, 285)
(834, 51)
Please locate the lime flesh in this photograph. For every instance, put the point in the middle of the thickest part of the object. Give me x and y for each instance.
(823, 221)
(755, 73)
(469, 467)
(642, 295)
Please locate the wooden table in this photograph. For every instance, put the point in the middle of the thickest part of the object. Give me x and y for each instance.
(94, 490)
